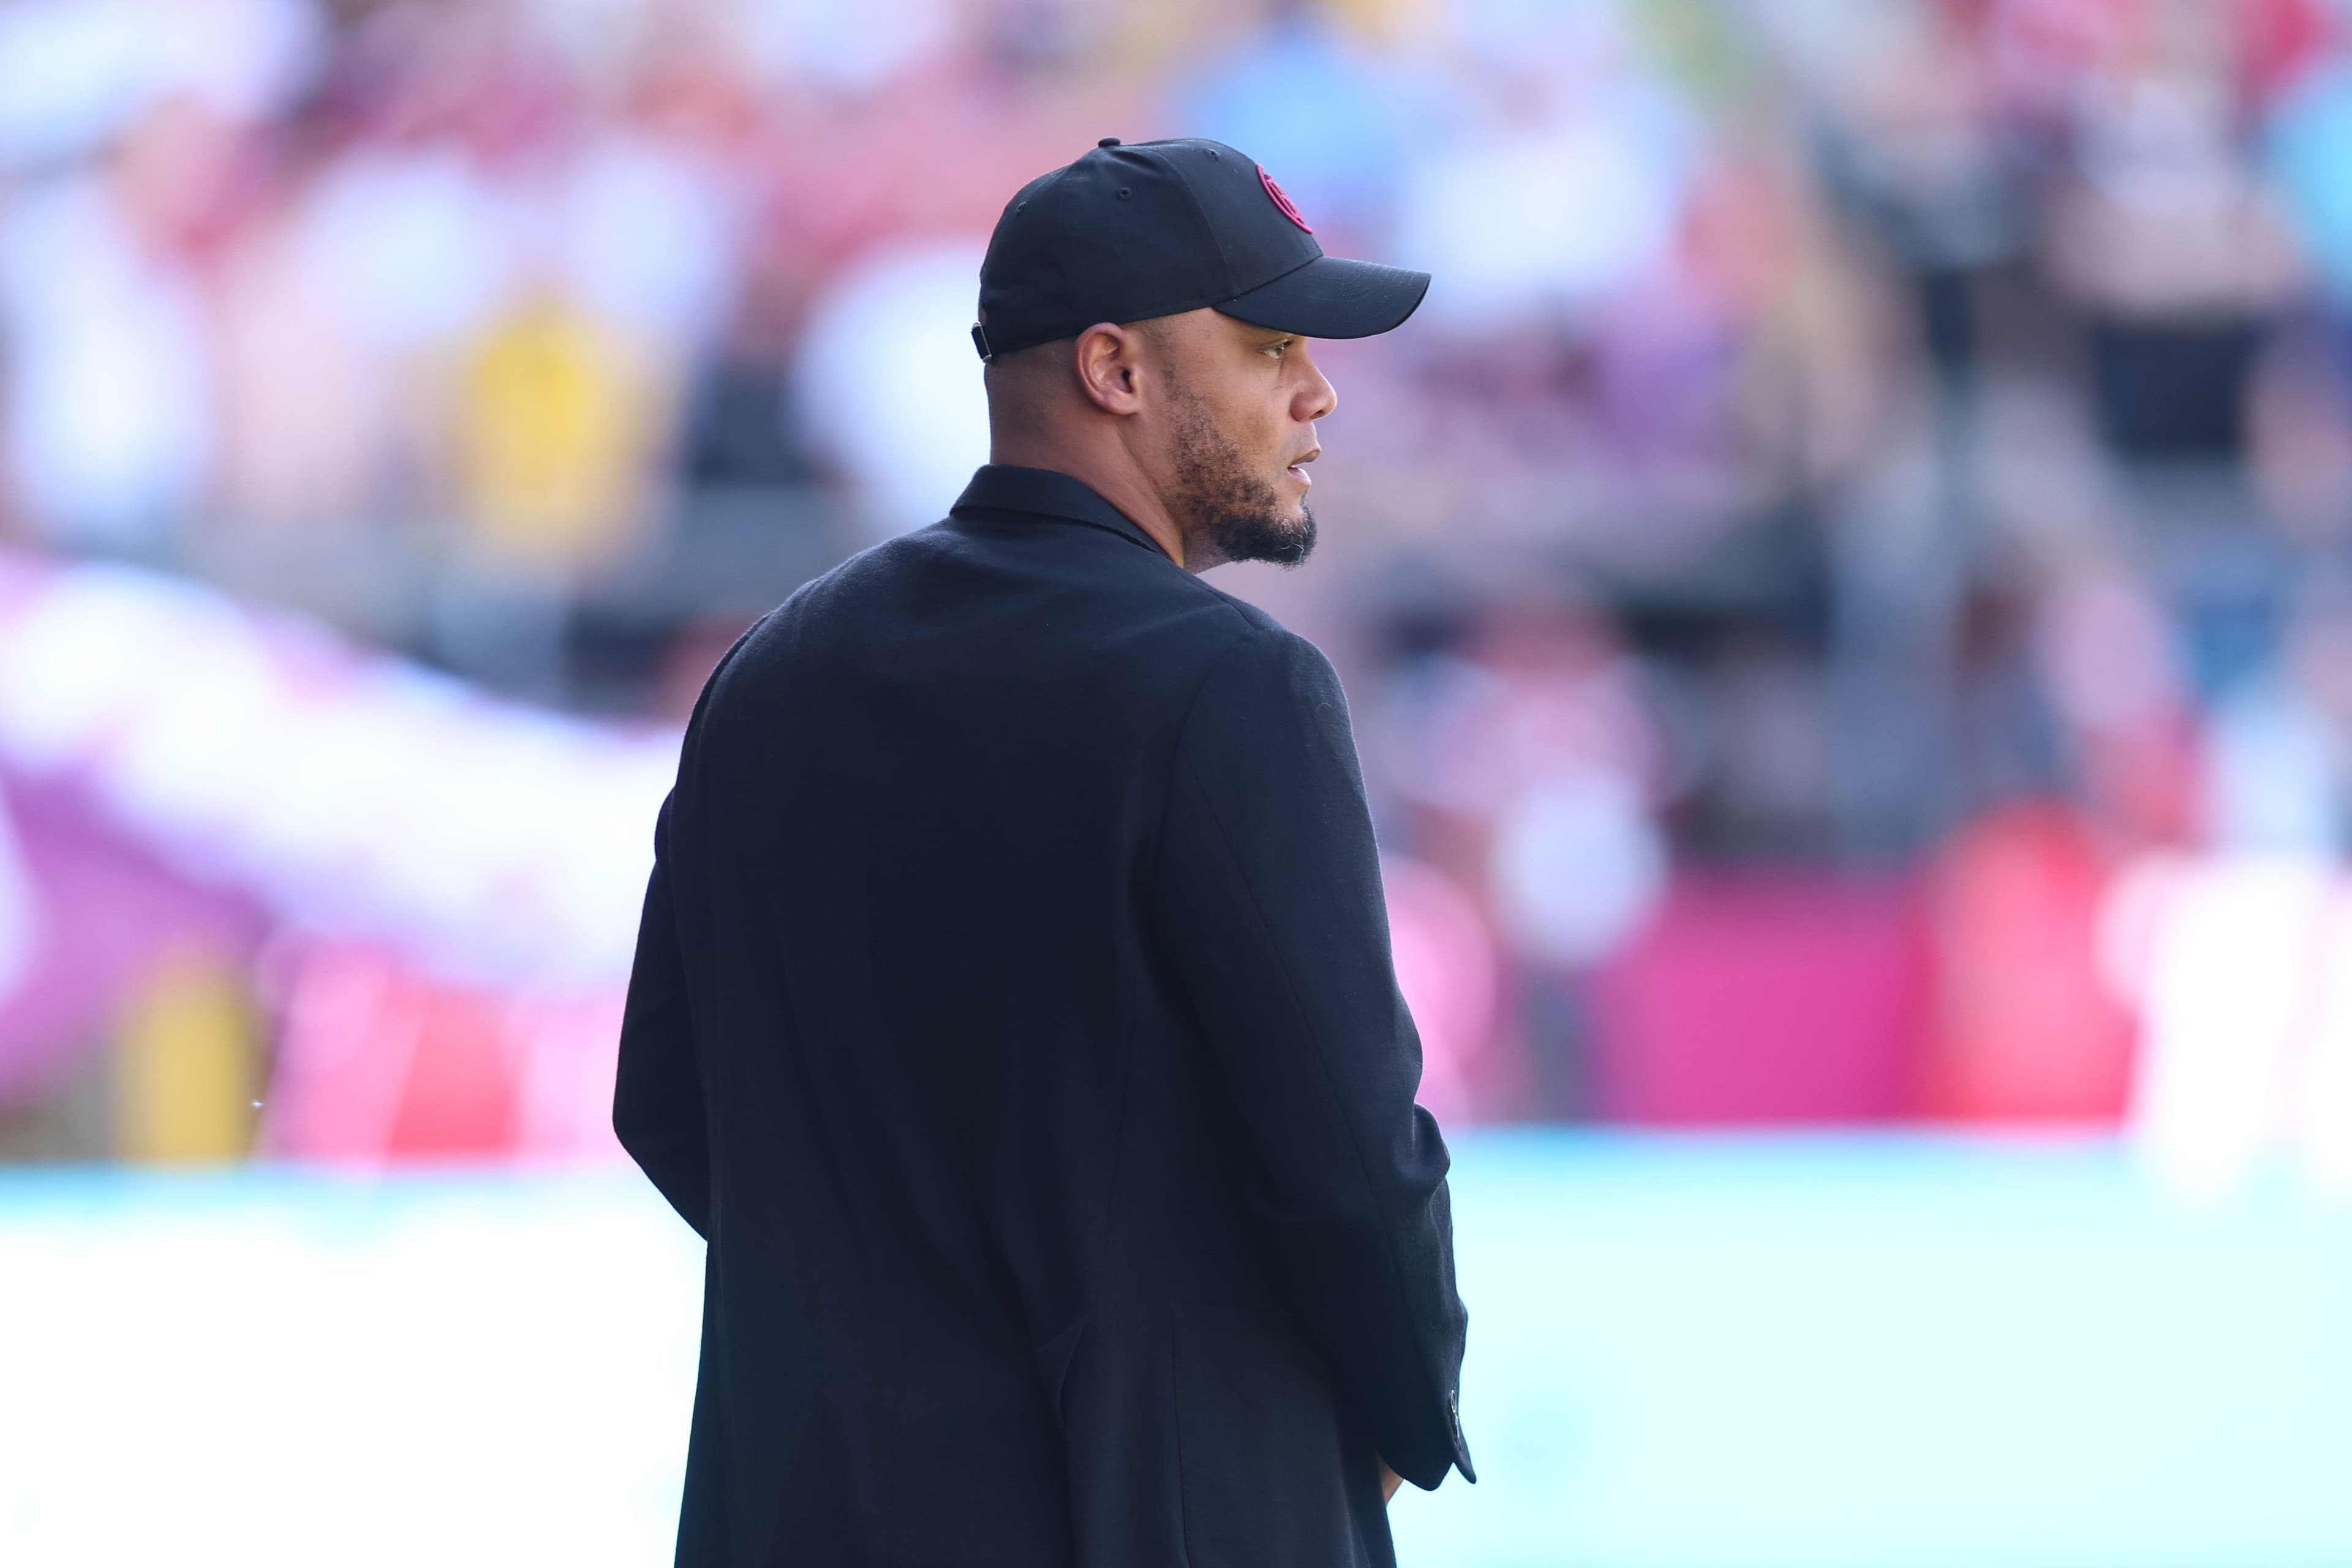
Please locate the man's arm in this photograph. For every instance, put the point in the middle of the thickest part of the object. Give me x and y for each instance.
(1268, 899)
(658, 1092)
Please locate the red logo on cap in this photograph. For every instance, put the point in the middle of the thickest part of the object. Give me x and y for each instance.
(1279, 199)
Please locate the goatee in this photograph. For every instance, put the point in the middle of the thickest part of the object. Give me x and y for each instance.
(1265, 534)
(1220, 503)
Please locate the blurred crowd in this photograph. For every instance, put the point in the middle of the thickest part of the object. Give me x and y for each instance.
(1868, 474)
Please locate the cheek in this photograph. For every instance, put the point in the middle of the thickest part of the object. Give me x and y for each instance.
(1258, 421)
(1277, 430)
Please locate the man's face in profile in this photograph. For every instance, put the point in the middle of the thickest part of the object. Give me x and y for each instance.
(1237, 410)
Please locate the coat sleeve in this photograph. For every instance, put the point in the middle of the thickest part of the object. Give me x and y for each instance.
(1267, 900)
(657, 1091)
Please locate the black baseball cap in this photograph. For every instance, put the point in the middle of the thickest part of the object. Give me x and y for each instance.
(1125, 233)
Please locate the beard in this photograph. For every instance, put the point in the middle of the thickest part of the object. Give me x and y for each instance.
(1219, 502)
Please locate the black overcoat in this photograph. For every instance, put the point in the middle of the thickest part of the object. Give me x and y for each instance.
(1013, 1015)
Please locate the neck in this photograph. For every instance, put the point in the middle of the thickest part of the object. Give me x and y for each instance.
(1112, 475)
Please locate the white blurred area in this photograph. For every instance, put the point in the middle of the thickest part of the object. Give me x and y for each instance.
(2240, 971)
(458, 1371)
(1898, 1352)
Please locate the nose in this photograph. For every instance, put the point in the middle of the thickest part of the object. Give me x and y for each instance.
(1319, 396)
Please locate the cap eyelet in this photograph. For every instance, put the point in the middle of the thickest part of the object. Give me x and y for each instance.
(1124, 193)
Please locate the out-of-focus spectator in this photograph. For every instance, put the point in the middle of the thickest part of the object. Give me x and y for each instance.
(1559, 185)
(2112, 666)
(2173, 244)
(557, 435)
(887, 378)
(2279, 756)
(109, 400)
(2024, 1027)
(306, 415)
(1531, 767)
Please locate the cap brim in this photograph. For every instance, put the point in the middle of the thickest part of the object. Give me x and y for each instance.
(1330, 297)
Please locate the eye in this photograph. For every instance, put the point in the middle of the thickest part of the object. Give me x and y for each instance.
(1277, 349)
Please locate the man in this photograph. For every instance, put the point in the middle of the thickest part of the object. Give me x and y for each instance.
(1013, 1010)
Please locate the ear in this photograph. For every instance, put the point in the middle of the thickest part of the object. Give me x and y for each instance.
(1107, 358)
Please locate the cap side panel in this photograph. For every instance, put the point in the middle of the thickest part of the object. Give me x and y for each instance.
(1055, 280)
(1009, 289)
(1229, 286)
(1258, 240)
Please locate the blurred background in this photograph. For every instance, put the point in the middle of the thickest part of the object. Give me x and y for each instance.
(1845, 591)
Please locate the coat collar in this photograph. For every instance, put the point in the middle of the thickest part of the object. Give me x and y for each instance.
(1043, 492)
